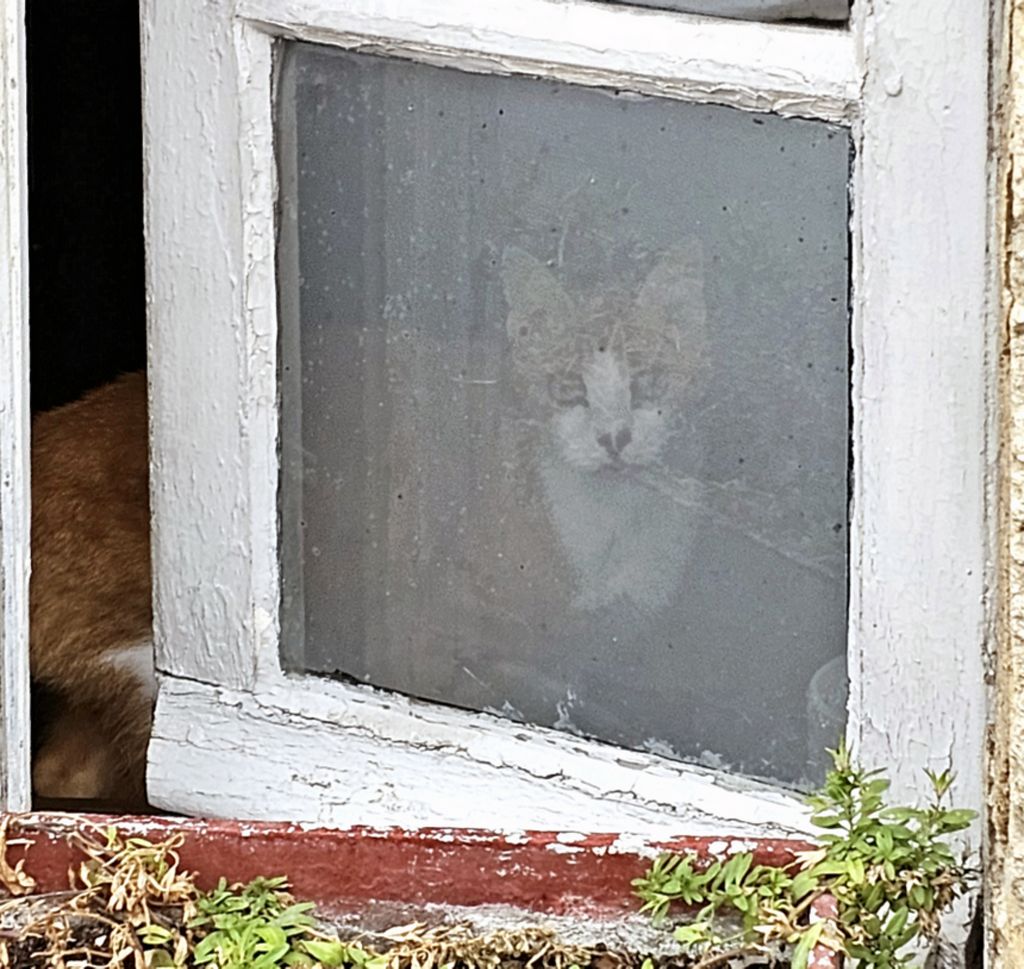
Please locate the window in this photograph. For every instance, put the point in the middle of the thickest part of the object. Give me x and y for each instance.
(402, 264)
(565, 375)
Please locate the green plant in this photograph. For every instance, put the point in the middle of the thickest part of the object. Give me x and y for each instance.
(890, 870)
(260, 926)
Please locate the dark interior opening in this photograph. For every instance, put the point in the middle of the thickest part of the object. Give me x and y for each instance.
(86, 263)
(87, 272)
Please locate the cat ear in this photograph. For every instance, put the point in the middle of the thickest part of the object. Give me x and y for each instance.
(674, 288)
(538, 305)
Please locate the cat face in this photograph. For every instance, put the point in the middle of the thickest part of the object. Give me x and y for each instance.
(606, 373)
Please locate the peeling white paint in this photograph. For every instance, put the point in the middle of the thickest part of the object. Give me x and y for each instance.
(15, 787)
(809, 72)
(922, 552)
(562, 849)
(632, 844)
(924, 446)
(380, 759)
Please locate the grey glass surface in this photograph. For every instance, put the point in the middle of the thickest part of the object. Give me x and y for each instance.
(564, 406)
(764, 10)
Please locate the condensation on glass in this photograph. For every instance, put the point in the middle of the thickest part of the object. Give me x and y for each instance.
(764, 10)
(564, 406)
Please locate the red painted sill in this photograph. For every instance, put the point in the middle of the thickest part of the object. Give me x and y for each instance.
(540, 871)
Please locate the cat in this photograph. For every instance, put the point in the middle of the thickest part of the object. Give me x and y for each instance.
(560, 551)
(90, 605)
(522, 552)
(604, 377)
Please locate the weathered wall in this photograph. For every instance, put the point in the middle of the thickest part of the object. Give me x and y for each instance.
(1005, 851)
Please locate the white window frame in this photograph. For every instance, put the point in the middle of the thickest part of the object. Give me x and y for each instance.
(235, 736)
(14, 409)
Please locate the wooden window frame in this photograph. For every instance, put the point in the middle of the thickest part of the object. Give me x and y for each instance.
(236, 736)
(15, 786)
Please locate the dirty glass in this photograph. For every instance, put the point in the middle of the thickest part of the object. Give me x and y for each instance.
(764, 10)
(564, 406)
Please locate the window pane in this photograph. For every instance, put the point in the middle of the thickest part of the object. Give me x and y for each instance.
(564, 390)
(753, 9)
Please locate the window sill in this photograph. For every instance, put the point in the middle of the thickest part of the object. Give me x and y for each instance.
(541, 873)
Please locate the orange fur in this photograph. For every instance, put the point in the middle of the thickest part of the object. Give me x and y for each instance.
(90, 590)
(76, 760)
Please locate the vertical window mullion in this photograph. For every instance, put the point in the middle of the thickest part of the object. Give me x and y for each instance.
(15, 786)
(923, 456)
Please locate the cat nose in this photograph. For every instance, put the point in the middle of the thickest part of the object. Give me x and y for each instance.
(615, 445)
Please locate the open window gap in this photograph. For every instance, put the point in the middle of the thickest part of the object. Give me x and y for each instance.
(87, 327)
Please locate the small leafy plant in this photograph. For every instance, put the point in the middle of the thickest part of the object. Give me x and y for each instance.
(890, 870)
(260, 926)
